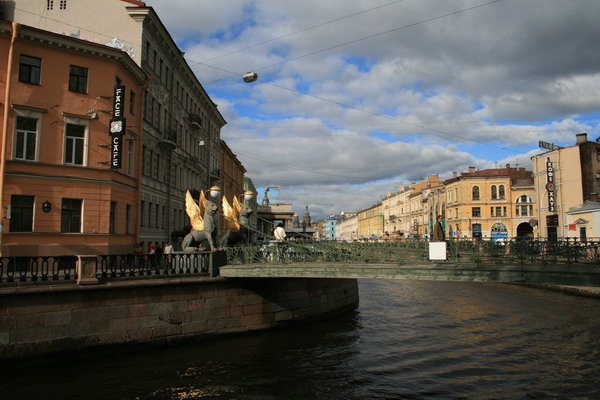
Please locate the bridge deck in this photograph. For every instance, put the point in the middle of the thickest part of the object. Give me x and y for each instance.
(581, 275)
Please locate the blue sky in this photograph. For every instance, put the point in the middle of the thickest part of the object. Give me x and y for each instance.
(357, 98)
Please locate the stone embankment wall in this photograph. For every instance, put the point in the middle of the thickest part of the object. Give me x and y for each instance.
(43, 319)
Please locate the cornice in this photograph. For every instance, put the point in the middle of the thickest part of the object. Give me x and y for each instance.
(67, 43)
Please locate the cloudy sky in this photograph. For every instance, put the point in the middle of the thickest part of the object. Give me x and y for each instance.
(357, 98)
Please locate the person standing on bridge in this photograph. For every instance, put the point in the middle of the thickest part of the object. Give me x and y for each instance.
(279, 233)
(438, 230)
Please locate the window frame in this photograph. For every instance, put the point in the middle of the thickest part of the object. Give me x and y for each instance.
(72, 141)
(475, 193)
(30, 70)
(18, 214)
(76, 78)
(112, 222)
(72, 216)
(27, 115)
(478, 209)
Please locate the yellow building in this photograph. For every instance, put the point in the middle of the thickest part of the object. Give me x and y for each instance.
(406, 212)
(370, 222)
(491, 203)
(567, 183)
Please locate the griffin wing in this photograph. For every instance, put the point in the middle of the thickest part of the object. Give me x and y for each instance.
(194, 211)
(230, 216)
(237, 208)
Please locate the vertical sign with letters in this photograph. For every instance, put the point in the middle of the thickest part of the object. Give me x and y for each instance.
(550, 186)
(117, 127)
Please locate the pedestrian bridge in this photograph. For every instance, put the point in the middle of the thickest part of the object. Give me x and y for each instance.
(506, 273)
(518, 262)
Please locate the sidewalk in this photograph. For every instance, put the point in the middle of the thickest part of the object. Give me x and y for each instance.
(586, 291)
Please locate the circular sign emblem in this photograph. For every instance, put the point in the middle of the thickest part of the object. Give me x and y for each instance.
(550, 187)
(116, 126)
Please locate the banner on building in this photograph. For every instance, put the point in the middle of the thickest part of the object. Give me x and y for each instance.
(550, 185)
(116, 151)
(117, 127)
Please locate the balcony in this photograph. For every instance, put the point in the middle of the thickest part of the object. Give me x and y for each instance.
(195, 120)
(169, 139)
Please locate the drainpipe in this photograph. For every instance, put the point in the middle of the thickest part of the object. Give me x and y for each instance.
(15, 29)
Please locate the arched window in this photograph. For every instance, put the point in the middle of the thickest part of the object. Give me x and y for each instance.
(501, 192)
(494, 192)
(524, 206)
(475, 192)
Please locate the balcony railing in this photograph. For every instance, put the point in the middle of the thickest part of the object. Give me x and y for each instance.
(195, 120)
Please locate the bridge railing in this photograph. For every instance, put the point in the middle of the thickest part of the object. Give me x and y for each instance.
(479, 252)
(107, 267)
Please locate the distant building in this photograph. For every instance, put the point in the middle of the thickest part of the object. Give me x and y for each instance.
(348, 228)
(491, 203)
(567, 181)
(370, 222)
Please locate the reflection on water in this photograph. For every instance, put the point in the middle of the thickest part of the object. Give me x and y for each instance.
(407, 340)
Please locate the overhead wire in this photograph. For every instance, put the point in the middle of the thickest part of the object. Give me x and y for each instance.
(355, 40)
(300, 31)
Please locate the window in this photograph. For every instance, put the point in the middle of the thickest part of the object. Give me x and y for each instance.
(128, 218)
(524, 206)
(456, 212)
(130, 158)
(21, 213)
(501, 192)
(494, 192)
(476, 211)
(49, 4)
(63, 4)
(156, 215)
(29, 69)
(132, 102)
(475, 192)
(26, 137)
(142, 213)
(74, 144)
(78, 79)
(71, 215)
(113, 217)
(499, 212)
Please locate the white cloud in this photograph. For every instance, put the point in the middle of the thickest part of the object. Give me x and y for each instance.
(474, 88)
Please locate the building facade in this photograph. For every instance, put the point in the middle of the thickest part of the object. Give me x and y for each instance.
(567, 180)
(181, 124)
(68, 186)
(491, 203)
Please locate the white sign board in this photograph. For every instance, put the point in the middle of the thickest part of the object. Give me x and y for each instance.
(437, 250)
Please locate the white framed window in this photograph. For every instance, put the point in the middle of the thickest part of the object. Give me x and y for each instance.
(27, 134)
(76, 141)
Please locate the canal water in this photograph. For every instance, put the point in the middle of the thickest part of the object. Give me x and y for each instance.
(407, 340)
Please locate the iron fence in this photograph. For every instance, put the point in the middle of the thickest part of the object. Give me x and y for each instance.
(417, 251)
(108, 267)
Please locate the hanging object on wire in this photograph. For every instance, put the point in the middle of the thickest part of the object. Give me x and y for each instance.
(250, 77)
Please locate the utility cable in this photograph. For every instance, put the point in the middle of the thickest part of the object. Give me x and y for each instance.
(297, 32)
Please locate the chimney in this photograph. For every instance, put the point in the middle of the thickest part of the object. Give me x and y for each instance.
(507, 166)
(472, 169)
(581, 138)
(455, 174)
